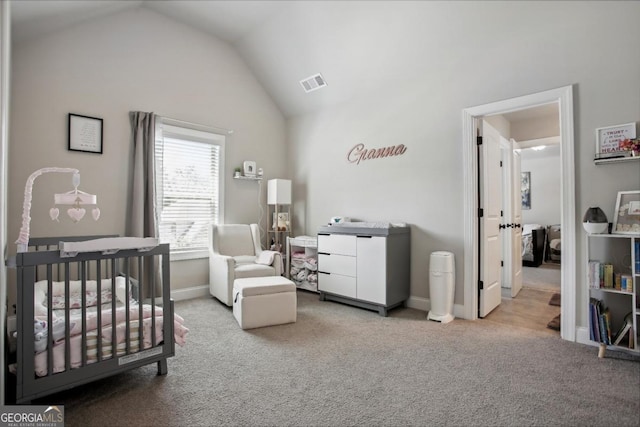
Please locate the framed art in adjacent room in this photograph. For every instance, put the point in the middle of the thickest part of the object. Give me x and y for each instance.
(525, 190)
(85, 133)
(626, 217)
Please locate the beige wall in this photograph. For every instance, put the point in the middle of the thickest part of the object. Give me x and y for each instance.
(134, 60)
(571, 44)
(545, 185)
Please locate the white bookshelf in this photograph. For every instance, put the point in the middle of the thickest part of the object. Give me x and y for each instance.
(620, 251)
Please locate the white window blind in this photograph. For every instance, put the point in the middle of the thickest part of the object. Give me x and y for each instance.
(189, 175)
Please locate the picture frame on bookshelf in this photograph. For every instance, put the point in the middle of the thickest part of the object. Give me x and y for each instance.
(626, 216)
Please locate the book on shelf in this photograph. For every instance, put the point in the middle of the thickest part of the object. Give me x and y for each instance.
(608, 276)
(605, 337)
(625, 329)
(600, 324)
(594, 274)
(596, 330)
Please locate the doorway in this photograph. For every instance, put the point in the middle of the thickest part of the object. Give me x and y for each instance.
(531, 208)
(471, 118)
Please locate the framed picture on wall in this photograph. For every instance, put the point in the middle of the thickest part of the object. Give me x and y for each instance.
(626, 217)
(525, 190)
(85, 133)
(608, 138)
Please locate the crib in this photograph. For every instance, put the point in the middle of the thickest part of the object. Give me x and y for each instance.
(97, 320)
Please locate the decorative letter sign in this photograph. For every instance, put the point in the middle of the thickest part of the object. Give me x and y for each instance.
(358, 152)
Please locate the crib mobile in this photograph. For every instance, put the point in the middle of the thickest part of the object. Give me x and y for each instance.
(75, 198)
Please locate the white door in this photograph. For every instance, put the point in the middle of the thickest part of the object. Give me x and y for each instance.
(505, 233)
(490, 202)
(516, 218)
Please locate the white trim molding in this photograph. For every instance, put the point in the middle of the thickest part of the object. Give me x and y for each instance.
(190, 293)
(470, 119)
(5, 67)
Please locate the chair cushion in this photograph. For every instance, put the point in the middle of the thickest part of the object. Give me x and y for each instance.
(244, 259)
(262, 286)
(253, 270)
(235, 239)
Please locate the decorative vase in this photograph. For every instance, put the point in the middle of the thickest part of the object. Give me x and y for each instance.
(595, 221)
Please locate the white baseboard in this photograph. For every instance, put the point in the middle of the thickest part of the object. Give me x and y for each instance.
(424, 304)
(419, 303)
(190, 293)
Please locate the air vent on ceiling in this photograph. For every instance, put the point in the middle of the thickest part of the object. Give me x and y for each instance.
(313, 83)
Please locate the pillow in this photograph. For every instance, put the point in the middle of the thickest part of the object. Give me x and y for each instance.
(75, 299)
(75, 296)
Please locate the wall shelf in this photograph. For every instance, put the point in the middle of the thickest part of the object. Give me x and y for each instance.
(616, 160)
(248, 178)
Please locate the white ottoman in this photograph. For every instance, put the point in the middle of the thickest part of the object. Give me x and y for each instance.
(264, 301)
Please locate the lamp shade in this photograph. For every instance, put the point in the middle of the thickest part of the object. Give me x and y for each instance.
(595, 221)
(279, 192)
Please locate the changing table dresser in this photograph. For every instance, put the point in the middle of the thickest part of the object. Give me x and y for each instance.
(368, 267)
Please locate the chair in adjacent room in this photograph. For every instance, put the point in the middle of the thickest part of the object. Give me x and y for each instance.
(235, 253)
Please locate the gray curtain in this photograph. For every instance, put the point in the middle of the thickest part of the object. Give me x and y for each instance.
(143, 221)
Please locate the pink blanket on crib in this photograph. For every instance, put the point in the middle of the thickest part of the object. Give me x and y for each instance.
(180, 332)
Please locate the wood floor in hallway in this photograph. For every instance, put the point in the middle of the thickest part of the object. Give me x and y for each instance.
(529, 309)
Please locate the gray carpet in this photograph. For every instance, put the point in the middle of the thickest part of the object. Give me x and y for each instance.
(340, 365)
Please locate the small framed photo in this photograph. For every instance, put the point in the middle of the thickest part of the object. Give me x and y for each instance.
(626, 217)
(608, 138)
(85, 133)
(249, 167)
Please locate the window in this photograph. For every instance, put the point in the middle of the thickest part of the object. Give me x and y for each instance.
(189, 186)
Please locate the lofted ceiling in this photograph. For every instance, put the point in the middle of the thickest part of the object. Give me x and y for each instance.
(361, 48)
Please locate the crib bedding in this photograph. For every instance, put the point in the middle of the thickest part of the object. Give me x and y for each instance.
(75, 340)
(90, 313)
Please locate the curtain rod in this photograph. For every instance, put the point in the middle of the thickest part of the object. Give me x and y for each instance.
(198, 125)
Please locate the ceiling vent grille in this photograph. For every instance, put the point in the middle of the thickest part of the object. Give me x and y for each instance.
(313, 83)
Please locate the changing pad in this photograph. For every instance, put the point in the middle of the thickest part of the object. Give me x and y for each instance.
(108, 245)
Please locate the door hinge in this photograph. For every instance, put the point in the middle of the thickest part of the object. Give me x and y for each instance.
(501, 213)
(500, 163)
(501, 263)
(480, 284)
(480, 212)
(479, 140)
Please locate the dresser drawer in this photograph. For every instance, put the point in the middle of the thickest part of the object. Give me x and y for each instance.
(337, 244)
(337, 284)
(339, 264)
